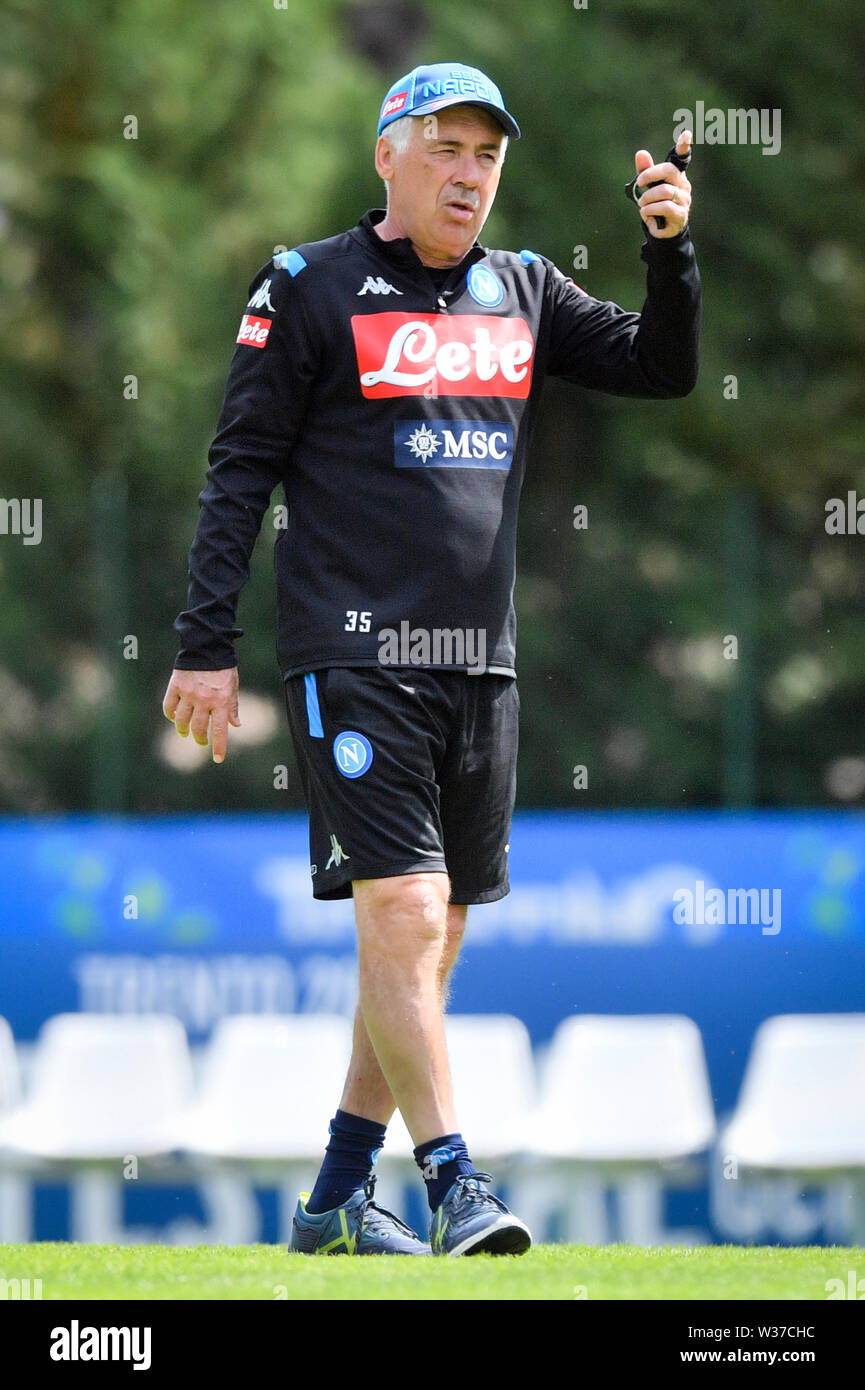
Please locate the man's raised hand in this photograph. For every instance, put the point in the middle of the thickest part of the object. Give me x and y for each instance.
(671, 199)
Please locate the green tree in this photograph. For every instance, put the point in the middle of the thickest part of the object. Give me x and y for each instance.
(125, 252)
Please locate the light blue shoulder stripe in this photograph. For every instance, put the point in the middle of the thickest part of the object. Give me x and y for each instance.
(528, 256)
(292, 261)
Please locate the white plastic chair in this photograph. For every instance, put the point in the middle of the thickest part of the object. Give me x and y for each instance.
(269, 1087)
(15, 1213)
(10, 1075)
(493, 1073)
(104, 1086)
(624, 1090)
(802, 1103)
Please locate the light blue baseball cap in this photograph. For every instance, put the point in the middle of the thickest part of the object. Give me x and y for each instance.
(428, 89)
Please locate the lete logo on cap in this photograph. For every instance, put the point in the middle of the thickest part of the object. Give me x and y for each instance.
(484, 286)
(394, 103)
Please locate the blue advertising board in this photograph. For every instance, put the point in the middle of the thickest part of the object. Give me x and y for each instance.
(727, 919)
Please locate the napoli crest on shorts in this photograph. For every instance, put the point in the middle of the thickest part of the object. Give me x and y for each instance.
(484, 286)
(352, 753)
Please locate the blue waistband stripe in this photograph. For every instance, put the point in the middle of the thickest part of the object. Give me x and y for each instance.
(313, 713)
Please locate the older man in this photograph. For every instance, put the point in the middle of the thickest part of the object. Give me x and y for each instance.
(388, 378)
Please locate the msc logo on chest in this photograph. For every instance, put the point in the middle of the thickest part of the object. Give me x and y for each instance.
(453, 444)
(443, 355)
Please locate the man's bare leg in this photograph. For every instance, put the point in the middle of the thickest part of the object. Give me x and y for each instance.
(366, 1091)
(402, 926)
(402, 929)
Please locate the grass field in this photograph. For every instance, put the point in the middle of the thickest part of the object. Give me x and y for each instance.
(548, 1272)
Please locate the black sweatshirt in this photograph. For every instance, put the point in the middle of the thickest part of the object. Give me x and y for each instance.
(396, 415)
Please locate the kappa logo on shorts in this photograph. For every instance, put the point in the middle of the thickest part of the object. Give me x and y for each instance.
(352, 754)
(337, 854)
(443, 355)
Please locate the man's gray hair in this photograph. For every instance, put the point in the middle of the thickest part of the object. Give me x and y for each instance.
(399, 133)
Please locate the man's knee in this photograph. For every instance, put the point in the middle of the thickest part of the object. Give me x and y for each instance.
(405, 906)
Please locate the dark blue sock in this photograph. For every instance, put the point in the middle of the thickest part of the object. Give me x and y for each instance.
(442, 1161)
(354, 1146)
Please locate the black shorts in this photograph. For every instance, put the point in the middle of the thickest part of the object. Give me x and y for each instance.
(406, 770)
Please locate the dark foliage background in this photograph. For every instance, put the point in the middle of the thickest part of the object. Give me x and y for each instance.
(255, 124)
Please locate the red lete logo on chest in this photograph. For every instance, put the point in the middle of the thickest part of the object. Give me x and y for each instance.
(443, 355)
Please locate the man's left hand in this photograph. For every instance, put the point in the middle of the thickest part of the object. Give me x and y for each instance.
(672, 197)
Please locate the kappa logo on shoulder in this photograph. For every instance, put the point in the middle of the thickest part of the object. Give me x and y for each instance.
(443, 355)
(374, 284)
(261, 298)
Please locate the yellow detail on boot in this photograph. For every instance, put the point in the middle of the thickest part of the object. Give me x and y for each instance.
(349, 1242)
